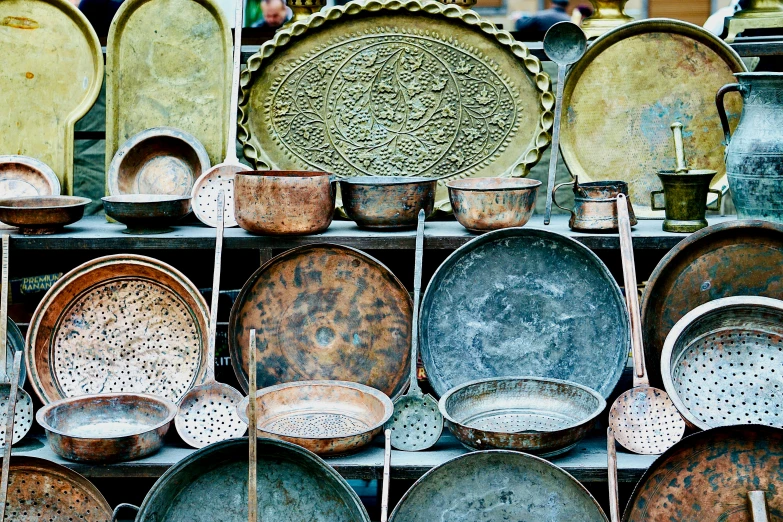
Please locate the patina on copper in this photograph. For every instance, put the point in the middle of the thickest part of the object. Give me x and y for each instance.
(42, 214)
(324, 312)
(723, 260)
(483, 204)
(328, 418)
(545, 417)
(281, 203)
(595, 205)
(109, 427)
(707, 476)
(146, 213)
(119, 323)
(25, 176)
(387, 202)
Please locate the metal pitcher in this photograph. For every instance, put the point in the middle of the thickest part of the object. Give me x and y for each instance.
(754, 154)
(595, 205)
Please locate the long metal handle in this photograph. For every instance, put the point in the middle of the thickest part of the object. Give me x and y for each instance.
(119, 508)
(561, 72)
(414, 386)
(758, 506)
(611, 461)
(679, 149)
(4, 311)
(252, 494)
(631, 297)
(9, 433)
(231, 146)
(724, 119)
(386, 476)
(213, 311)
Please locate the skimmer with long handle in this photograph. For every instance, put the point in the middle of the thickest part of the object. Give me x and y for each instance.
(221, 176)
(208, 412)
(9, 432)
(416, 423)
(23, 419)
(386, 475)
(611, 462)
(564, 44)
(252, 480)
(644, 419)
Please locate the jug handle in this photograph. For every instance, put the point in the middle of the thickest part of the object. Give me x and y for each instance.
(724, 119)
(716, 208)
(652, 200)
(554, 199)
(121, 507)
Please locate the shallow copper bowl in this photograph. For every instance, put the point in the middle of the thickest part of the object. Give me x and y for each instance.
(146, 213)
(111, 427)
(326, 417)
(483, 204)
(387, 202)
(42, 214)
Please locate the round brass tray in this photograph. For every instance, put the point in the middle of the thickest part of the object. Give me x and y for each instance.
(621, 98)
(120, 323)
(396, 88)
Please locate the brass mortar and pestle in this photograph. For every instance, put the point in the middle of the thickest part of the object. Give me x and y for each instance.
(685, 192)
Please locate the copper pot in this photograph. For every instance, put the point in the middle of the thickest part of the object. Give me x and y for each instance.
(278, 203)
(483, 204)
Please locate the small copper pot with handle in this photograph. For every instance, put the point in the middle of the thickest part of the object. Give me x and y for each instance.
(595, 205)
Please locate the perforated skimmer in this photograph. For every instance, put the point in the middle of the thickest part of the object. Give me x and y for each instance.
(417, 422)
(644, 419)
(208, 413)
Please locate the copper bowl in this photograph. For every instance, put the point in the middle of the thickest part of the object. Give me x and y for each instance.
(146, 213)
(42, 214)
(283, 203)
(110, 427)
(484, 204)
(387, 202)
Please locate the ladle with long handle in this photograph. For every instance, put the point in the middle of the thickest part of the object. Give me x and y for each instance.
(386, 475)
(252, 491)
(9, 433)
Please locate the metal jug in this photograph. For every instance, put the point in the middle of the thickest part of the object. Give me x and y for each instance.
(754, 154)
(595, 205)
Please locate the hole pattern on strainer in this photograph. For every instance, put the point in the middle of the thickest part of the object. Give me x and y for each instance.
(510, 421)
(127, 336)
(39, 496)
(415, 425)
(206, 198)
(732, 377)
(211, 419)
(315, 425)
(646, 421)
(23, 417)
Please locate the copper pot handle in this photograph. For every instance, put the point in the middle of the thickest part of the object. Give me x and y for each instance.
(716, 208)
(653, 206)
(554, 198)
(119, 508)
(724, 119)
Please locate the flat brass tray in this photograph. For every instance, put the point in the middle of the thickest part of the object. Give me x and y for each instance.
(51, 75)
(396, 88)
(632, 84)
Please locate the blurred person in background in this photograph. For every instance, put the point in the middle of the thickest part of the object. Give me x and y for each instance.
(533, 28)
(275, 13)
(581, 13)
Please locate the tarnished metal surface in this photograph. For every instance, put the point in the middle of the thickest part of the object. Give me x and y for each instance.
(8, 438)
(685, 199)
(161, 160)
(25, 176)
(39, 489)
(146, 213)
(15, 343)
(541, 416)
(707, 476)
(720, 362)
(524, 302)
(724, 260)
(168, 64)
(211, 484)
(659, 71)
(595, 205)
(326, 417)
(754, 156)
(497, 485)
(484, 204)
(387, 202)
(111, 427)
(119, 323)
(52, 74)
(42, 214)
(414, 88)
(280, 202)
(324, 312)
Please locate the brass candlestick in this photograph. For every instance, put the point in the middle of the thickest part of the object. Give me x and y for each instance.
(608, 15)
(304, 8)
(467, 4)
(762, 14)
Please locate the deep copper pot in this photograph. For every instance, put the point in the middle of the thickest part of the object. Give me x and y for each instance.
(278, 203)
(387, 202)
(484, 204)
(595, 205)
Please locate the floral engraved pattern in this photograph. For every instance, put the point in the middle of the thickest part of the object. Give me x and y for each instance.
(393, 105)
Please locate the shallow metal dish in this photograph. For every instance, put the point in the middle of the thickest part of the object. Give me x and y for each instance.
(483, 204)
(545, 417)
(387, 202)
(26, 176)
(146, 213)
(111, 427)
(42, 214)
(326, 417)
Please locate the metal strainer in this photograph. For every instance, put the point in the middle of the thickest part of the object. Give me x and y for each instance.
(417, 422)
(208, 412)
(721, 363)
(644, 419)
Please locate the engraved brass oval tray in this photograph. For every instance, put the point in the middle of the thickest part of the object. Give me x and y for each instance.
(632, 84)
(324, 312)
(119, 323)
(396, 88)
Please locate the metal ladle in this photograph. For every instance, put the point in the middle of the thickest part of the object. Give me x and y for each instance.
(564, 44)
(416, 423)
